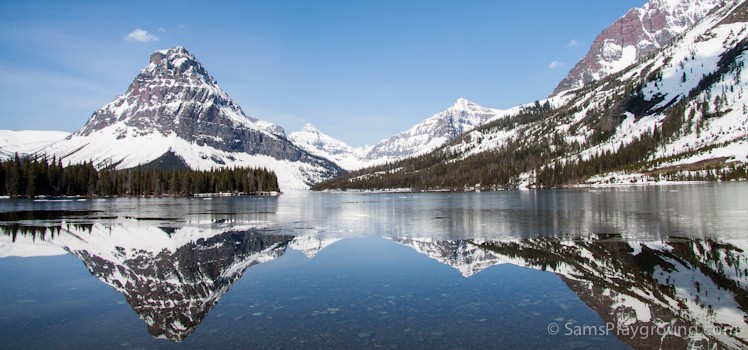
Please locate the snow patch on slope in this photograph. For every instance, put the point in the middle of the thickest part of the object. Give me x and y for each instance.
(27, 141)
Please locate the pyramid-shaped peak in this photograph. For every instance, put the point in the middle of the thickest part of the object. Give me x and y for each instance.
(171, 54)
(175, 60)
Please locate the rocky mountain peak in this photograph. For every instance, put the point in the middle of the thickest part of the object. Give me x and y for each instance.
(640, 32)
(174, 63)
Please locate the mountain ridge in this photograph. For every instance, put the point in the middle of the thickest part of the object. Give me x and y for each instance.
(423, 137)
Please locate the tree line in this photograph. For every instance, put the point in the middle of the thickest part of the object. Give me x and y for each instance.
(38, 176)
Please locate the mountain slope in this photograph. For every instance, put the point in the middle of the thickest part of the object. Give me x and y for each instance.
(679, 114)
(639, 33)
(27, 141)
(175, 110)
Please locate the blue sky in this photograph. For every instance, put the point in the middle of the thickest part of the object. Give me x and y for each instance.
(358, 70)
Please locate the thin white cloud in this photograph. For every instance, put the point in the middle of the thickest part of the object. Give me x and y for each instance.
(141, 36)
(555, 64)
(572, 43)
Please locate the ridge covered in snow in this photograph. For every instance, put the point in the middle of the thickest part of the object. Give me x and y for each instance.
(310, 245)
(639, 33)
(27, 141)
(433, 132)
(464, 256)
(421, 138)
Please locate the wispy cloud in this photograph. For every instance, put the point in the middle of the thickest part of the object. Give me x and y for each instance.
(141, 36)
(572, 43)
(555, 64)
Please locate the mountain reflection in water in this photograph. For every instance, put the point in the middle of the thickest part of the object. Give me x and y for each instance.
(170, 277)
(695, 288)
(173, 277)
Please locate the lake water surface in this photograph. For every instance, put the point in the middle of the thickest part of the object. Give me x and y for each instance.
(640, 267)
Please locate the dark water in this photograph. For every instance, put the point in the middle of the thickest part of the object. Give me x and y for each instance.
(642, 267)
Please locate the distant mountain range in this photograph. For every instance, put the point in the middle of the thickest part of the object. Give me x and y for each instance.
(422, 138)
(664, 64)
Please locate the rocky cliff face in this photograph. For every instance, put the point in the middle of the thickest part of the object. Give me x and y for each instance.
(175, 109)
(640, 32)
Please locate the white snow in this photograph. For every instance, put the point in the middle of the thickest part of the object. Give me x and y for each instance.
(421, 138)
(433, 132)
(27, 141)
(311, 245)
(105, 148)
(463, 256)
(317, 143)
(26, 246)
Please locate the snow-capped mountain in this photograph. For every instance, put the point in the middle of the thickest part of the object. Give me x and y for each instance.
(319, 144)
(421, 138)
(639, 33)
(171, 278)
(27, 141)
(175, 112)
(679, 114)
(433, 132)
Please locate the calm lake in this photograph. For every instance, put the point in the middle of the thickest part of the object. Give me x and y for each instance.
(632, 267)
